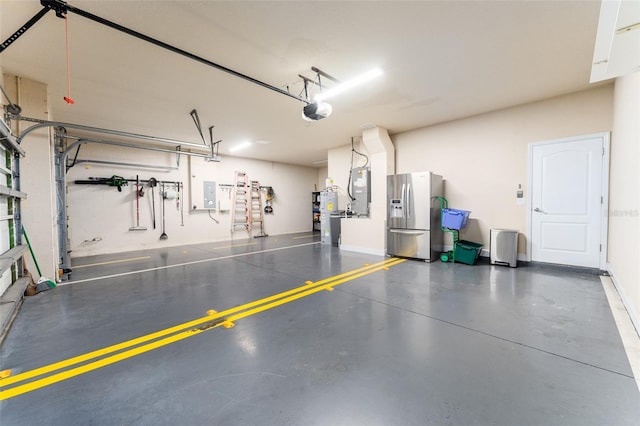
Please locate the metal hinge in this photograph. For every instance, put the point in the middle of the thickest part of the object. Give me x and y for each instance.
(601, 199)
(600, 247)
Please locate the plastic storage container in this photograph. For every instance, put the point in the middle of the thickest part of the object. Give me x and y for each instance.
(454, 218)
(466, 252)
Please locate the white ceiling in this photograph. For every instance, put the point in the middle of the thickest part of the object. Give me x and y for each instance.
(442, 60)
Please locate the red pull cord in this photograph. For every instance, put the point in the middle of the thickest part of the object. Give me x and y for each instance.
(66, 30)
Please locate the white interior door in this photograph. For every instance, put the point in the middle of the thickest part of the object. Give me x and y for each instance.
(566, 201)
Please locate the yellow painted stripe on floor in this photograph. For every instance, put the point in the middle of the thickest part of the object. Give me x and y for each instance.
(302, 294)
(111, 262)
(136, 341)
(64, 375)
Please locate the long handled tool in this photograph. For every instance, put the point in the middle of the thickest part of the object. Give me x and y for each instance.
(153, 182)
(164, 235)
(138, 227)
(181, 195)
(43, 283)
(117, 181)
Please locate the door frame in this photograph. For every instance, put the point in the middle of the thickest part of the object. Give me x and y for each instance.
(604, 218)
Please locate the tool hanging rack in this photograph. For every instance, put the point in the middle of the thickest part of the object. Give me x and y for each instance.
(119, 181)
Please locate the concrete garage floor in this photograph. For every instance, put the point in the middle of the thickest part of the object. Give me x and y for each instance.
(416, 344)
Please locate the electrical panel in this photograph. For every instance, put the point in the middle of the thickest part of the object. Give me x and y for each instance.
(203, 195)
(360, 191)
(209, 195)
(206, 193)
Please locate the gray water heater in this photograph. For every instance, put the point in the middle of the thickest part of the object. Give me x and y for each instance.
(328, 207)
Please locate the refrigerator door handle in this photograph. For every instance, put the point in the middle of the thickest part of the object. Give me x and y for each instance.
(402, 231)
(409, 200)
(404, 213)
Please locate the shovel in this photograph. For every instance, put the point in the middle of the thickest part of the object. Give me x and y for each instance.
(139, 193)
(153, 182)
(164, 235)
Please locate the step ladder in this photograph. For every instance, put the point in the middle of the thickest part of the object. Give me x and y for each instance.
(256, 212)
(240, 209)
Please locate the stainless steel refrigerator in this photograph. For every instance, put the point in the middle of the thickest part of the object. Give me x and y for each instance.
(413, 216)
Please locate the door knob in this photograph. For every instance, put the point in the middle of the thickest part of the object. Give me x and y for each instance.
(539, 210)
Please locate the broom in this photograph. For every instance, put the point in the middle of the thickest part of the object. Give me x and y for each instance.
(43, 283)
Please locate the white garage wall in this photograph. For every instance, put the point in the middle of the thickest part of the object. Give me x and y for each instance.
(483, 159)
(624, 204)
(100, 216)
(323, 173)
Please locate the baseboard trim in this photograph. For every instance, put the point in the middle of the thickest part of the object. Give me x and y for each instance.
(522, 257)
(631, 310)
(365, 250)
(628, 334)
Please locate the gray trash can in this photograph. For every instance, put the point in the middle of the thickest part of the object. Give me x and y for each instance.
(334, 220)
(504, 247)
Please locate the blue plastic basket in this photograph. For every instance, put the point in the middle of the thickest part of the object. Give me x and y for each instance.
(454, 218)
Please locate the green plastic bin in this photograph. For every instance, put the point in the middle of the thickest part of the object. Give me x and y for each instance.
(467, 252)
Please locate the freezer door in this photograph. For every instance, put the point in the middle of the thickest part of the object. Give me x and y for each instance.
(418, 200)
(396, 212)
(409, 243)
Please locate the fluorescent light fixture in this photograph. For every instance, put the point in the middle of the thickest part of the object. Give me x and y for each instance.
(240, 146)
(349, 84)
